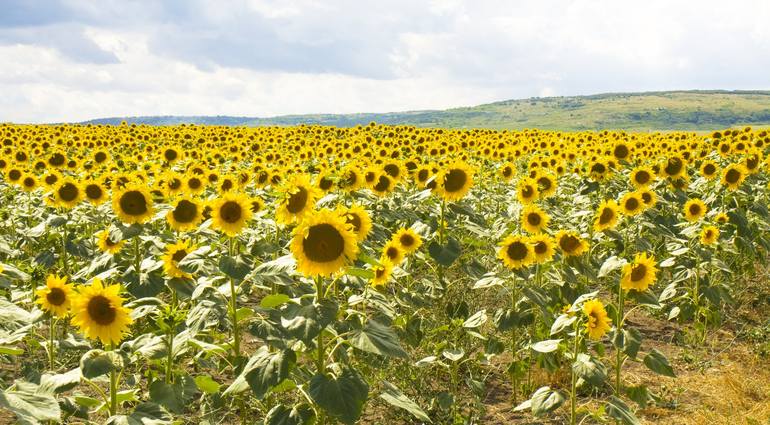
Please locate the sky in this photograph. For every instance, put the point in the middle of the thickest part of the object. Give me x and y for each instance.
(73, 60)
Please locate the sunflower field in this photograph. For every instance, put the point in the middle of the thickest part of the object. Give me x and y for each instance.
(373, 274)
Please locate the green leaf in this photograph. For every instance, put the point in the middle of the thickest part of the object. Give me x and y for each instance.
(268, 370)
(342, 397)
(453, 354)
(658, 363)
(359, 272)
(546, 346)
(207, 384)
(283, 415)
(488, 280)
(30, 408)
(617, 409)
(305, 322)
(55, 384)
(98, 362)
(174, 397)
(639, 394)
(562, 322)
(445, 254)
(146, 413)
(393, 396)
(610, 265)
(546, 400)
(378, 339)
(10, 350)
(274, 300)
(632, 341)
(591, 370)
(236, 268)
(475, 321)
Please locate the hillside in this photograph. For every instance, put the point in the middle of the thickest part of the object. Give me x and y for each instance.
(669, 110)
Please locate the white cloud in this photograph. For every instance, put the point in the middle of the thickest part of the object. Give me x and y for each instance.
(268, 57)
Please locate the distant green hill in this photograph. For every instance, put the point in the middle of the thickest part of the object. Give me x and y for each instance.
(697, 110)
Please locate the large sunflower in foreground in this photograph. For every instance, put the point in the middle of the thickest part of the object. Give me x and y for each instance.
(132, 204)
(56, 296)
(597, 321)
(516, 252)
(230, 213)
(173, 255)
(99, 313)
(299, 198)
(640, 274)
(323, 244)
(454, 181)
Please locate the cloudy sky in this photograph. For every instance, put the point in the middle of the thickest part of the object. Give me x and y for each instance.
(71, 60)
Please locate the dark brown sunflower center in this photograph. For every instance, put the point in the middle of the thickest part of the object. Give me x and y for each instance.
(231, 212)
(732, 176)
(642, 177)
(14, 175)
(534, 219)
(94, 191)
(544, 183)
(133, 203)
(179, 255)
(297, 201)
(29, 182)
(598, 168)
(674, 166)
(646, 197)
(170, 155)
(174, 184)
(638, 272)
(569, 243)
(100, 157)
(56, 296)
(392, 253)
(507, 172)
(392, 169)
(455, 180)
(621, 151)
(101, 311)
(527, 192)
(606, 216)
(354, 220)
(541, 248)
(323, 243)
(632, 204)
(422, 175)
(51, 179)
(406, 240)
(379, 272)
(68, 192)
(709, 169)
(185, 211)
(383, 184)
(57, 159)
(517, 251)
(326, 183)
(194, 183)
(694, 209)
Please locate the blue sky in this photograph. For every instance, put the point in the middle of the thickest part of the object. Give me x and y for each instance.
(71, 60)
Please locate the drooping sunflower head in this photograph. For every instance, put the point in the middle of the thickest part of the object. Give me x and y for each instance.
(534, 219)
(323, 244)
(454, 181)
(132, 204)
(99, 313)
(408, 240)
(606, 216)
(570, 243)
(516, 252)
(106, 244)
(597, 320)
(382, 274)
(186, 214)
(230, 213)
(173, 255)
(694, 210)
(639, 274)
(56, 296)
(709, 235)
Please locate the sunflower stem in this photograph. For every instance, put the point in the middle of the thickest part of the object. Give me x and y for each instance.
(234, 307)
(113, 390)
(137, 260)
(51, 348)
(573, 384)
(618, 351)
(170, 357)
(514, 346)
(320, 349)
(65, 265)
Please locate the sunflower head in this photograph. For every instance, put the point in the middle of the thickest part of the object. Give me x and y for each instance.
(606, 216)
(516, 252)
(67, 193)
(709, 235)
(542, 247)
(733, 176)
(408, 240)
(173, 255)
(694, 210)
(323, 244)
(639, 274)
(357, 218)
(106, 244)
(230, 213)
(597, 321)
(99, 313)
(186, 214)
(632, 204)
(534, 219)
(299, 198)
(56, 296)
(570, 243)
(382, 274)
(393, 252)
(132, 204)
(454, 181)
(527, 190)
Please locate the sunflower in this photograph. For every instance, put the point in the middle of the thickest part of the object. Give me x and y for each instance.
(721, 218)
(709, 235)
(29, 183)
(546, 184)
(56, 296)
(173, 255)
(527, 190)
(358, 219)
(515, 252)
(694, 210)
(67, 193)
(640, 274)
(323, 243)
(597, 323)
(99, 313)
(106, 244)
(186, 214)
(194, 184)
(570, 243)
(642, 177)
(543, 247)
(299, 198)
(507, 171)
(132, 204)
(709, 169)
(408, 240)
(631, 204)
(534, 219)
(454, 181)
(384, 185)
(95, 192)
(230, 213)
(606, 216)
(382, 273)
(648, 197)
(733, 175)
(393, 252)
